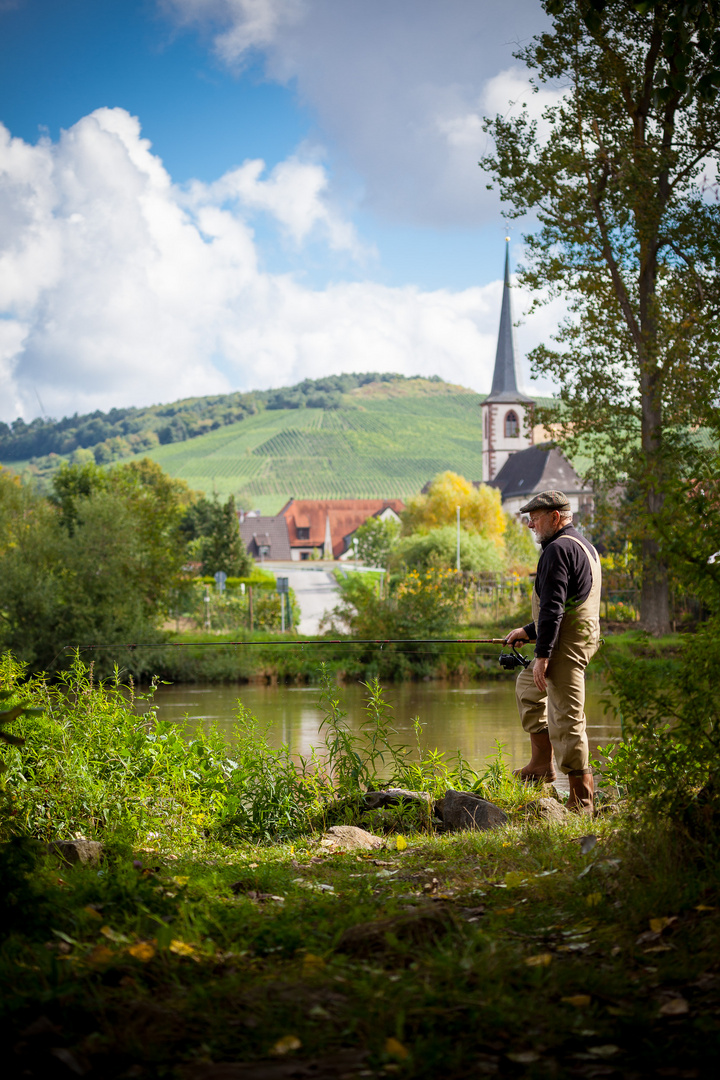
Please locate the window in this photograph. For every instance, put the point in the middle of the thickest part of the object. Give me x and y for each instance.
(304, 555)
(512, 426)
(303, 533)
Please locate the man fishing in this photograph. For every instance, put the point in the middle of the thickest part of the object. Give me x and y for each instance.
(566, 631)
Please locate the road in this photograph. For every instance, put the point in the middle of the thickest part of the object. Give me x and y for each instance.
(315, 589)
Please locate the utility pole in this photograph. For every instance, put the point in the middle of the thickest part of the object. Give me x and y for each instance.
(458, 539)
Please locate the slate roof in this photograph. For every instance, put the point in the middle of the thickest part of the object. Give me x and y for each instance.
(266, 531)
(346, 515)
(539, 468)
(505, 382)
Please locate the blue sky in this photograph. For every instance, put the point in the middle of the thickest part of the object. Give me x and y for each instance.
(207, 195)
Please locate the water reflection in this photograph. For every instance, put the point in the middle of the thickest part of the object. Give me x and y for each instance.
(472, 719)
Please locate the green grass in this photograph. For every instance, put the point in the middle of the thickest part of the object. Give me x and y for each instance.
(220, 930)
(528, 963)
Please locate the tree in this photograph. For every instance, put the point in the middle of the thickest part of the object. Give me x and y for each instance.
(213, 531)
(96, 563)
(480, 508)
(375, 540)
(627, 234)
(438, 549)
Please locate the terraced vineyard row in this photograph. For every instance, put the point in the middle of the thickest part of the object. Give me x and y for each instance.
(384, 447)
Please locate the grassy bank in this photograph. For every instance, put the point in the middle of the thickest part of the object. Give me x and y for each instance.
(508, 953)
(220, 938)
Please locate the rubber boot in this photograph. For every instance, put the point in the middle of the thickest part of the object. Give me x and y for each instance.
(540, 768)
(582, 789)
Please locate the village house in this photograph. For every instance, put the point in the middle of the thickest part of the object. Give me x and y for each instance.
(306, 528)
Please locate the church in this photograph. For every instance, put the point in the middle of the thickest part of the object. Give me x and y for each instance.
(517, 457)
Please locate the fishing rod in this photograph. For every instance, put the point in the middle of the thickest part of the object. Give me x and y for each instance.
(272, 644)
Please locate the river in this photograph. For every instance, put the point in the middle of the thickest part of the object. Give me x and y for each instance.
(472, 718)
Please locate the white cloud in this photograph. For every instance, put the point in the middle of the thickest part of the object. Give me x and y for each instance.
(117, 287)
(398, 89)
(295, 193)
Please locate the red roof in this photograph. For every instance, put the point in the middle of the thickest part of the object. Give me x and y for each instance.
(346, 515)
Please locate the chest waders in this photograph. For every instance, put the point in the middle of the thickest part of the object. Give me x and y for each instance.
(555, 719)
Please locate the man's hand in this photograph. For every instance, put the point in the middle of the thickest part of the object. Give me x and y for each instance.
(539, 669)
(516, 635)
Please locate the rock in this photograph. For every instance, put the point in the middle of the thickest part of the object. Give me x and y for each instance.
(428, 923)
(350, 838)
(459, 810)
(546, 810)
(86, 852)
(376, 800)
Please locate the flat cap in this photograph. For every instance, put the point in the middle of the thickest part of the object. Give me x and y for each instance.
(547, 500)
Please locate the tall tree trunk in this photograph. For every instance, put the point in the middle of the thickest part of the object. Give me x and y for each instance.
(655, 592)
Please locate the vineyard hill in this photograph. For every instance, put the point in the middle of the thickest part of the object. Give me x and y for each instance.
(381, 440)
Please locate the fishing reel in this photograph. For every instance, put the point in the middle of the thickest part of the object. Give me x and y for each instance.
(511, 660)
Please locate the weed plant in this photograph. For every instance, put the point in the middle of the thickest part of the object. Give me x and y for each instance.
(94, 764)
(671, 724)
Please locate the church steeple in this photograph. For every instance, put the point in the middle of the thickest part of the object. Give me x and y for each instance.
(507, 420)
(505, 381)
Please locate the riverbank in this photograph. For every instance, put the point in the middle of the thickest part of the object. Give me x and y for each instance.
(203, 658)
(526, 951)
(220, 938)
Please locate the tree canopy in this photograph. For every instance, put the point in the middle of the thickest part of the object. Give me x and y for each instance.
(480, 508)
(618, 181)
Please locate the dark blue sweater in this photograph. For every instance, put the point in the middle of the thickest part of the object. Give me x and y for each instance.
(563, 580)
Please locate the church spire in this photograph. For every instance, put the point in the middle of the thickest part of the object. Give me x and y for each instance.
(505, 382)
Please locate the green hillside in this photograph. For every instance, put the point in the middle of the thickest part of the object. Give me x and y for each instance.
(380, 442)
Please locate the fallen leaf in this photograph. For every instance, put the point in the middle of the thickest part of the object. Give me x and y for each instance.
(523, 1057)
(658, 925)
(587, 843)
(513, 879)
(395, 1049)
(506, 911)
(143, 951)
(112, 935)
(401, 843)
(182, 948)
(677, 1006)
(286, 1045)
(540, 960)
(593, 899)
(703, 907)
(607, 1050)
(659, 948)
(180, 880)
(92, 912)
(318, 1013)
(101, 954)
(578, 1001)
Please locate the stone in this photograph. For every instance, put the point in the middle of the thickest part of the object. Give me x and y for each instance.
(458, 810)
(427, 923)
(376, 800)
(350, 838)
(85, 852)
(546, 810)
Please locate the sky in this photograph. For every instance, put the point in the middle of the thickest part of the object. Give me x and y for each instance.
(200, 196)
